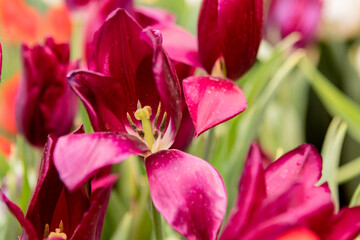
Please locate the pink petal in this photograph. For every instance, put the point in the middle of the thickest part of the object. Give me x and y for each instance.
(240, 27)
(30, 232)
(303, 162)
(147, 16)
(212, 101)
(210, 45)
(77, 157)
(345, 225)
(188, 192)
(251, 194)
(179, 44)
(165, 76)
(295, 207)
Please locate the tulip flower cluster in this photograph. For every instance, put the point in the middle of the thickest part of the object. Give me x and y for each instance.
(148, 87)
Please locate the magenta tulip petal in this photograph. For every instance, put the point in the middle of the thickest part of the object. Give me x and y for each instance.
(240, 25)
(346, 225)
(212, 101)
(77, 157)
(210, 44)
(303, 163)
(251, 193)
(92, 222)
(295, 207)
(117, 49)
(147, 16)
(166, 80)
(30, 232)
(106, 99)
(188, 192)
(179, 44)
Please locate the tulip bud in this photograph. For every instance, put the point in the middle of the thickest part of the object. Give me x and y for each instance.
(45, 103)
(288, 16)
(230, 29)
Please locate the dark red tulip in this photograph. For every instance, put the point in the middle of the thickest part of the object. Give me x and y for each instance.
(232, 30)
(45, 102)
(55, 211)
(288, 16)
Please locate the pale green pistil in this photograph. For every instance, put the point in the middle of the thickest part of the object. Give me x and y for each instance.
(143, 115)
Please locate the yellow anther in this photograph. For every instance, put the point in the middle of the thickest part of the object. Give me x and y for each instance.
(132, 124)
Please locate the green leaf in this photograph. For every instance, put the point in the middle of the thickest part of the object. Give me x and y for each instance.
(355, 200)
(330, 152)
(349, 171)
(248, 126)
(336, 102)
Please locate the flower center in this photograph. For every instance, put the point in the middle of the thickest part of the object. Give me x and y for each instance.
(150, 130)
(59, 232)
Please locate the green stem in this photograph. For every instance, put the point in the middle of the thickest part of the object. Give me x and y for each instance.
(208, 145)
(349, 171)
(157, 222)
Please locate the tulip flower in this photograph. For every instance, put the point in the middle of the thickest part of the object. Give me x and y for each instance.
(55, 212)
(135, 97)
(283, 201)
(231, 30)
(45, 102)
(288, 16)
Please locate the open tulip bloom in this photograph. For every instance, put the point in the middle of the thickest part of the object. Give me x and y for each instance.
(134, 98)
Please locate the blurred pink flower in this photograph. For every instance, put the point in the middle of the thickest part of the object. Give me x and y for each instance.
(288, 16)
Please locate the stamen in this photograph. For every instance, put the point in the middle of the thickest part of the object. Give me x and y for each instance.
(163, 124)
(156, 134)
(46, 231)
(132, 124)
(156, 121)
(138, 104)
(59, 232)
(140, 133)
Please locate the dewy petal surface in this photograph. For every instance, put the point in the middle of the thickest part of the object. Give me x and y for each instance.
(303, 162)
(251, 193)
(188, 192)
(212, 101)
(77, 157)
(209, 38)
(240, 27)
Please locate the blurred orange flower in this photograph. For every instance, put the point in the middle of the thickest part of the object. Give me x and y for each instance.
(8, 94)
(24, 23)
